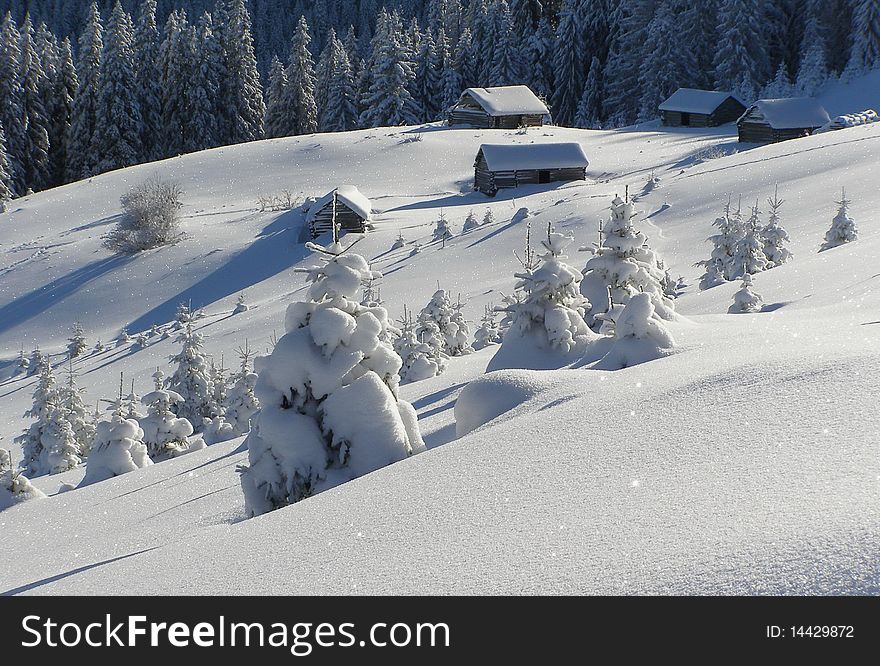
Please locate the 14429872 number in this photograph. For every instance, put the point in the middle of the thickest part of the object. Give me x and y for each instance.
(811, 631)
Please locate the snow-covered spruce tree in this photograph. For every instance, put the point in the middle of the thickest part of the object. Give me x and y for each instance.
(165, 435)
(671, 63)
(77, 342)
(15, 487)
(488, 333)
(328, 393)
(470, 222)
(118, 449)
(775, 237)
(6, 184)
(23, 363)
(201, 96)
(748, 253)
(544, 321)
(192, 379)
(240, 305)
(745, 300)
(812, 72)
(148, 80)
(419, 360)
(441, 232)
(741, 61)
(865, 51)
(12, 116)
(299, 97)
(37, 361)
(639, 336)
(488, 217)
(427, 84)
(340, 113)
(507, 66)
(623, 265)
(441, 322)
(241, 400)
(60, 108)
(568, 64)
(81, 161)
(71, 401)
(275, 123)
(241, 93)
(36, 149)
(124, 338)
(175, 68)
(719, 266)
(589, 109)
(49, 444)
(780, 86)
(118, 125)
(843, 227)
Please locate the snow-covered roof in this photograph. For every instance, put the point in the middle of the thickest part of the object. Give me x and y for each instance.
(347, 194)
(791, 113)
(692, 100)
(519, 157)
(508, 100)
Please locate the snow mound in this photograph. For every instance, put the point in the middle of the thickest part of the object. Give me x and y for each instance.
(494, 394)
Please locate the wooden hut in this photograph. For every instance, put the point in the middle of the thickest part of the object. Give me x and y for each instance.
(512, 165)
(689, 107)
(506, 107)
(345, 206)
(772, 120)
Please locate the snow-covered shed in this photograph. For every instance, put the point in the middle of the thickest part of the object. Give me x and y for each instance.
(512, 165)
(345, 205)
(772, 120)
(690, 107)
(503, 107)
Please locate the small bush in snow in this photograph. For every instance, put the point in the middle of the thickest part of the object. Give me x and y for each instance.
(399, 242)
(283, 201)
(419, 360)
(15, 488)
(240, 305)
(150, 217)
(77, 342)
(843, 227)
(442, 232)
(441, 326)
(745, 300)
(639, 336)
(241, 400)
(328, 393)
(118, 449)
(164, 434)
(748, 252)
(488, 332)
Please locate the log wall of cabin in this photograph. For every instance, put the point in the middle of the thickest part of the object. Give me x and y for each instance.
(729, 111)
(489, 182)
(346, 218)
(754, 132)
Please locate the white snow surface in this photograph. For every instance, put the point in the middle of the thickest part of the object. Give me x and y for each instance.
(745, 462)
(792, 112)
(693, 100)
(347, 194)
(510, 157)
(508, 100)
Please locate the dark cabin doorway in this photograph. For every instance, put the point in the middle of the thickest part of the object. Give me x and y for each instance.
(543, 176)
(686, 119)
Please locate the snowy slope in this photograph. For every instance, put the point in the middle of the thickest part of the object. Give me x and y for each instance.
(743, 463)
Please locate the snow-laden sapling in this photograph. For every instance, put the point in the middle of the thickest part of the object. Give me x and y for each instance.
(719, 265)
(15, 487)
(23, 363)
(419, 360)
(328, 393)
(241, 400)
(150, 217)
(192, 379)
(843, 227)
(442, 327)
(399, 242)
(748, 253)
(746, 301)
(118, 449)
(442, 232)
(545, 323)
(75, 411)
(140, 341)
(49, 445)
(240, 305)
(164, 434)
(488, 217)
(775, 237)
(470, 222)
(124, 338)
(623, 265)
(76, 344)
(639, 336)
(37, 362)
(488, 333)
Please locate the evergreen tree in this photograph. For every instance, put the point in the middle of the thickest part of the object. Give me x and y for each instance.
(671, 64)
(567, 65)
(488, 332)
(340, 112)
(12, 117)
(35, 159)
(241, 401)
(389, 101)
(165, 435)
(741, 62)
(813, 70)
(699, 31)
(192, 380)
(589, 110)
(843, 227)
(77, 342)
(865, 51)
(746, 301)
(306, 437)
(780, 87)
(148, 80)
(428, 82)
(6, 184)
(242, 95)
(175, 69)
(201, 95)
(118, 449)
(507, 68)
(748, 253)
(630, 19)
(117, 137)
(81, 161)
(323, 72)
(775, 237)
(275, 123)
(74, 409)
(63, 91)
(538, 59)
(299, 97)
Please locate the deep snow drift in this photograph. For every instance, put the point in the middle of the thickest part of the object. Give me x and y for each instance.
(745, 462)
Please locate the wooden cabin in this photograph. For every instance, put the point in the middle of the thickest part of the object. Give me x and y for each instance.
(345, 205)
(689, 107)
(505, 107)
(511, 165)
(772, 120)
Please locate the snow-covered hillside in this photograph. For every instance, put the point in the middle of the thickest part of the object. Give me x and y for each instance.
(746, 462)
